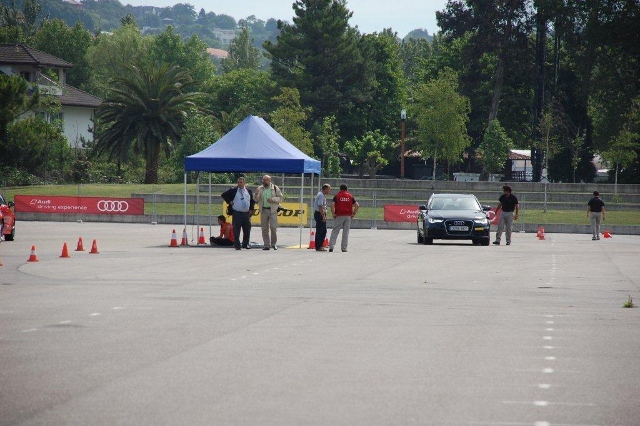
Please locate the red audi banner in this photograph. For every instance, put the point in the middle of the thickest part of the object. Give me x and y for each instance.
(83, 205)
(400, 213)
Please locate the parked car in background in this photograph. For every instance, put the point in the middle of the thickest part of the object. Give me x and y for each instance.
(7, 220)
(453, 217)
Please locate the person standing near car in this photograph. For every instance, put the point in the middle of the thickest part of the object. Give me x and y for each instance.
(320, 216)
(510, 208)
(343, 209)
(241, 201)
(268, 197)
(595, 212)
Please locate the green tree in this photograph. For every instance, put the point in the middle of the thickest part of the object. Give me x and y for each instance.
(369, 153)
(319, 55)
(14, 101)
(622, 152)
(111, 53)
(494, 149)
(190, 55)
(199, 132)
(243, 92)
(327, 147)
(288, 120)
(71, 44)
(18, 26)
(242, 53)
(145, 112)
(388, 86)
(441, 115)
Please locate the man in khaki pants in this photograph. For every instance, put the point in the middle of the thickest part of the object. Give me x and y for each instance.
(268, 198)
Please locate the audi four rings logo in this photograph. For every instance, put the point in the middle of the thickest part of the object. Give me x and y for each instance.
(113, 206)
(458, 222)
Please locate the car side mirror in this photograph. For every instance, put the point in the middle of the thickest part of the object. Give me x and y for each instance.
(422, 207)
(486, 208)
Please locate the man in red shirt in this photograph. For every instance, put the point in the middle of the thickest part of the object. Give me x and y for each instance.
(343, 209)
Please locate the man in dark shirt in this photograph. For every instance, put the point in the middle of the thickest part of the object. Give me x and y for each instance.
(595, 212)
(510, 208)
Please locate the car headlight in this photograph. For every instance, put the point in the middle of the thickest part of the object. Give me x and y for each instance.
(481, 220)
(432, 220)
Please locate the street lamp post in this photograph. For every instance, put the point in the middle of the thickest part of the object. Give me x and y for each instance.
(403, 117)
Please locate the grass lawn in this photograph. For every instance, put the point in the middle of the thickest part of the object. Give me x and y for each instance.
(367, 213)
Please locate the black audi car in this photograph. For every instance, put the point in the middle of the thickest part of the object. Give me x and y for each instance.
(453, 217)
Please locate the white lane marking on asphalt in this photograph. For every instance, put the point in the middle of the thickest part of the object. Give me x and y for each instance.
(31, 330)
(550, 322)
(117, 308)
(544, 386)
(95, 314)
(256, 273)
(541, 403)
(65, 322)
(542, 424)
(548, 370)
(549, 347)
(547, 337)
(550, 358)
(549, 316)
(549, 329)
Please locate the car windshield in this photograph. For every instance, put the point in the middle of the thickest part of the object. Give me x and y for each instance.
(453, 203)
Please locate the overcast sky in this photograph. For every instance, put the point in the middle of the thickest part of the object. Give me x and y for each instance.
(369, 15)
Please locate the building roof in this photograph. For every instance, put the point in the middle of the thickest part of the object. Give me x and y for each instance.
(519, 154)
(217, 53)
(77, 98)
(21, 54)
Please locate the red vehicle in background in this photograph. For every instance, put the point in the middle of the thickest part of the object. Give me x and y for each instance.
(7, 220)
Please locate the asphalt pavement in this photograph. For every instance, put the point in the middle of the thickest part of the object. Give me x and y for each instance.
(390, 332)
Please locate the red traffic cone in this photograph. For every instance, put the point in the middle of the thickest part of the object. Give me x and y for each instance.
(201, 237)
(325, 243)
(607, 234)
(33, 257)
(540, 233)
(65, 251)
(80, 246)
(174, 239)
(185, 238)
(94, 247)
(312, 240)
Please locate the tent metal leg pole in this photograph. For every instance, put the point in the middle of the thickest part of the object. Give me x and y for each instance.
(210, 207)
(185, 200)
(301, 200)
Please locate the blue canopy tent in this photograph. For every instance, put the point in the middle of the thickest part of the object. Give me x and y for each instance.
(252, 146)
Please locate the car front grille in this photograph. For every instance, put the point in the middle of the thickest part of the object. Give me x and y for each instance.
(467, 224)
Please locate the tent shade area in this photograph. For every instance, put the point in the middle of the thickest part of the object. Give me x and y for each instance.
(252, 146)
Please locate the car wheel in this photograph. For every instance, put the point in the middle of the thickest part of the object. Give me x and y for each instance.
(419, 238)
(11, 236)
(428, 240)
(485, 241)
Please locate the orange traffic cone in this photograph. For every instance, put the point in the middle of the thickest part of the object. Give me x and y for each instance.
(80, 246)
(540, 233)
(65, 251)
(174, 239)
(94, 247)
(607, 234)
(185, 238)
(312, 240)
(33, 257)
(201, 237)
(325, 243)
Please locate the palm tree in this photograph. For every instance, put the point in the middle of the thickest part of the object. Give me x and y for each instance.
(144, 113)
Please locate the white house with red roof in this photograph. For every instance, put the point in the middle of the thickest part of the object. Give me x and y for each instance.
(77, 107)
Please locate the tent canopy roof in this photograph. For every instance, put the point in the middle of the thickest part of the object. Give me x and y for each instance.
(252, 146)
